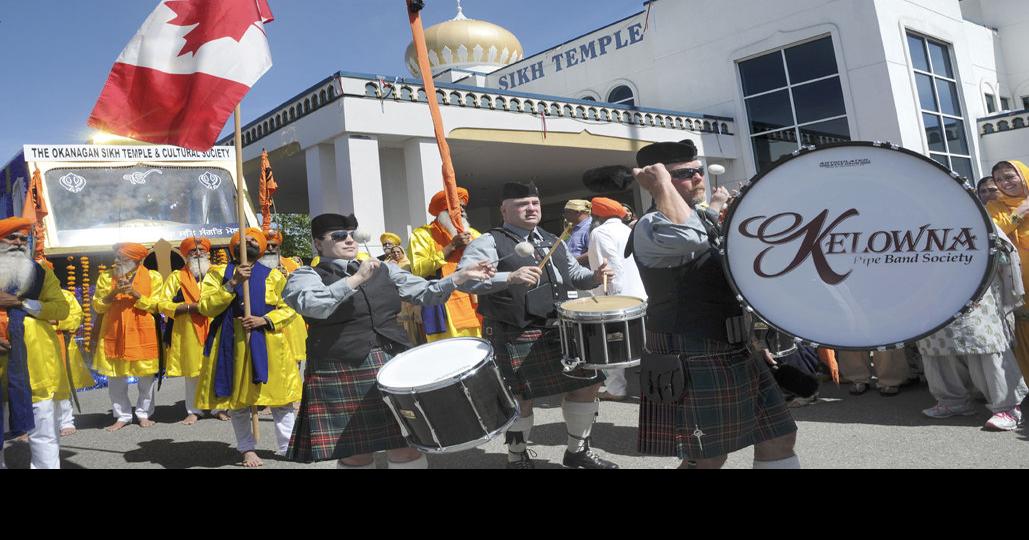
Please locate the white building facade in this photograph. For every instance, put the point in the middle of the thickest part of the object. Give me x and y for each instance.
(946, 78)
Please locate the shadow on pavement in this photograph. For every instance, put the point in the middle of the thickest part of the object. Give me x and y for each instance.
(186, 455)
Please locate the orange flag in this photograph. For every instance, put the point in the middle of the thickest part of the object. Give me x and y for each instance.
(268, 189)
(449, 176)
(35, 209)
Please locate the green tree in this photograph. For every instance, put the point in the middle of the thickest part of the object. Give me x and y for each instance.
(296, 228)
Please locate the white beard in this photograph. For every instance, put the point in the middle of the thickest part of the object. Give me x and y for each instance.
(125, 269)
(16, 270)
(448, 224)
(198, 266)
(270, 260)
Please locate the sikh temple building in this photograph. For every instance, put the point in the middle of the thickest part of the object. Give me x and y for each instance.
(946, 78)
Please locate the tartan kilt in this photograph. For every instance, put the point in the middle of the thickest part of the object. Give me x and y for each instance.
(731, 402)
(530, 361)
(342, 413)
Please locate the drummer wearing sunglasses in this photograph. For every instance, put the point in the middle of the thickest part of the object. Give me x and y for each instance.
(351, 308)
(704, 394)
(519, 307)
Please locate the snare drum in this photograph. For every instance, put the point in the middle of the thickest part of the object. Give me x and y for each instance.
(603, 333)
(448, 396)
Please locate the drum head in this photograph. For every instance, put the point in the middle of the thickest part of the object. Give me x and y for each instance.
(431, 364)
(859, 246)
(603, 308)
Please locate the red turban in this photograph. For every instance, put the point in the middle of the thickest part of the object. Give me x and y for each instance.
(13, 225)
(256, 234)
(439, 201)
(605, 208)
(191, 243)
(135, 252)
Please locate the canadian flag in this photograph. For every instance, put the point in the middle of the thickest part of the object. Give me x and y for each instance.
(185, 72)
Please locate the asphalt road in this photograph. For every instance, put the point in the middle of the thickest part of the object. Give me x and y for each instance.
(841, 431)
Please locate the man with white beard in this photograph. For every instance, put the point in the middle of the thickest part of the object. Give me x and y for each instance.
(187, 330)
(30, 297)
(127, 296)
(435, 251)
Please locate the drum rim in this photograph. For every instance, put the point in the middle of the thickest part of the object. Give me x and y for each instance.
(443, 383)
(621, 315)
(968, 188)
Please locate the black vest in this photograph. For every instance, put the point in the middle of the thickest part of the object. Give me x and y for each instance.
(693, 300)
(366, 320)
(517, 305)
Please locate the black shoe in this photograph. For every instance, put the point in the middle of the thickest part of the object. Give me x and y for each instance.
(587, 459)
(525, 462)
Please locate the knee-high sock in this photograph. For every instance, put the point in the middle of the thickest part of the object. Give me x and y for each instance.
(518, 437)
(579, 419)
(782, 464)
(420, 463)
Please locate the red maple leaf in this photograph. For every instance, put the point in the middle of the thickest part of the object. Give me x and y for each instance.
(216, 19)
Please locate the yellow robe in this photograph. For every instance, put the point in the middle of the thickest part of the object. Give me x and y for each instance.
(1001, 211)
(426, 262)
(43, 348)
(296, 330)
(284, 384)
(113, 367)
(81, 376)
(185, 356)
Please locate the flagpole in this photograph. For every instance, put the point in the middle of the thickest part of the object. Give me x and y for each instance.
(449, 176)
(241, 209)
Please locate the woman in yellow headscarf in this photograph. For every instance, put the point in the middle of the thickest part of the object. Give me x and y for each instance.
(1010, 211)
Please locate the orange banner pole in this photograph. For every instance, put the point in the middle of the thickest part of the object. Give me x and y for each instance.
(449, 176)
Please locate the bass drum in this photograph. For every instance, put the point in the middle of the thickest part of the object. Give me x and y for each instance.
(859, 246)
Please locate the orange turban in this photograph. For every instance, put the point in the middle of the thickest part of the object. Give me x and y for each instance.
(256, 234)
(605, 208)
(274, 236)
(191, 243)
(135, 252)
(439, 201)
(13, 225)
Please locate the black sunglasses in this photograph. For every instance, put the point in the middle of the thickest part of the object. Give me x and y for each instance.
(341, 236)
(686, 174)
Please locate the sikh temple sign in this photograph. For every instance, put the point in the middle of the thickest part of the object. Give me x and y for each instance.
(571, 55)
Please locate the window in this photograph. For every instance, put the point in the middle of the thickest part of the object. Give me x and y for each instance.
(991, 103)
(1005, 104)
(945, 126)
(588, 98)
(794, 98)
(622, 95)
(1025, 102)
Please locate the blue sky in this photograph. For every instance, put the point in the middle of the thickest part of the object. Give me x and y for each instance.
(56, 54)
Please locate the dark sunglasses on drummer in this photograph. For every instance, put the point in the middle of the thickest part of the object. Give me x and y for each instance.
(341, 236)
(687, 174)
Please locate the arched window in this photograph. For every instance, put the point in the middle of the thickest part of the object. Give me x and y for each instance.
(441, 97)
(323, 97)
(486, 102)
(307, 105)
(516, 105)
(332, 92)
(421, 95)
(988, 128)
(469, 100)
(588, 98)
(530, 107)
(622, 95)
(1018, 123)
(1003, 126)
(406, 93)
(455, 98)
(555, 109)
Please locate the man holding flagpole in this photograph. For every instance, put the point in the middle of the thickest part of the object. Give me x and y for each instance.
(249, 362)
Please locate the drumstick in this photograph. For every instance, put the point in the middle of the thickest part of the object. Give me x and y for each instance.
(556, 245)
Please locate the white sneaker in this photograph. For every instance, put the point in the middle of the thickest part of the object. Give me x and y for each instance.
(1002, 421)
(940, 412)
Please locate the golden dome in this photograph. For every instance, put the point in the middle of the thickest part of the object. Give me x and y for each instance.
(465, 43)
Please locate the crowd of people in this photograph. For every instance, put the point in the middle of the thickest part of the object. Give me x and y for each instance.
(308, 342)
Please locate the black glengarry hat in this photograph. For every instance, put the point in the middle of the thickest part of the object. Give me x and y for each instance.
(667, 153)
(519, 191)
(327, 223)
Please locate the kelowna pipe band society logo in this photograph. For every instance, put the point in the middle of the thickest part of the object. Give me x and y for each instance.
(821, 238)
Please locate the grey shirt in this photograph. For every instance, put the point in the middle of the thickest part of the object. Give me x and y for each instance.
(310, 297)
(485, 249)
(659, 243)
